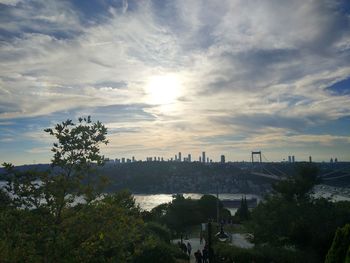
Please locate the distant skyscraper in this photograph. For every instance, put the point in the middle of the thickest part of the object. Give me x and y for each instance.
(200, 159)
(180, 157)
(175, 158)
(310, 159)
(289, 159)
(123, 160)
(133, 159)
(222, 159)
(331, 160)
(207, 159)
(335, 159)
(189, 158)
(293, 159)
(203, 157)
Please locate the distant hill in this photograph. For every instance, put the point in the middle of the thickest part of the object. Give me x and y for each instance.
(177, 177)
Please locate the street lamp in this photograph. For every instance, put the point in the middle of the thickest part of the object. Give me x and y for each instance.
(222, 236)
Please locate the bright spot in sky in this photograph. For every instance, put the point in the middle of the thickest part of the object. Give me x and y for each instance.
(163, 89)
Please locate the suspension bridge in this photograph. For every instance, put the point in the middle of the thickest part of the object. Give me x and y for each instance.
(261, 166)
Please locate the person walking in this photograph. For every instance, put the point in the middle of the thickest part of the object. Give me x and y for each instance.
(189, 248)
(205, 254)
(198, 256)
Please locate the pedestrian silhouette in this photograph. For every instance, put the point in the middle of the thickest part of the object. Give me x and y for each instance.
(189, 248)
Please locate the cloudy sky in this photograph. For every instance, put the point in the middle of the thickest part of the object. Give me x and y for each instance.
(225, 77)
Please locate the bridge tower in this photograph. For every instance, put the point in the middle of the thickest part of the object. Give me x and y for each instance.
(256, 153)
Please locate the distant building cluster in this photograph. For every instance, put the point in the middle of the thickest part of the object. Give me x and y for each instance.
(291, 159)
(177, 158)
(335, 160)
(203, 158)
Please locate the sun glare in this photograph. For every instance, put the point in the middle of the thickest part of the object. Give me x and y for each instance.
(163, 89)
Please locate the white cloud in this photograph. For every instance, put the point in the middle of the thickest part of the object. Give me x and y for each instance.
(10, 2)
(245, 65)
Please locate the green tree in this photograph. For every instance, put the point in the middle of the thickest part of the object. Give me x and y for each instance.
(243, 210)
(40, 223)
(292, 217)
(76, 154)
(208, 205)
(339, 251)
(299, 186)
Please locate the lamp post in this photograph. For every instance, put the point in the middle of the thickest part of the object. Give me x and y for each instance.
(210, 250)
(222, 236)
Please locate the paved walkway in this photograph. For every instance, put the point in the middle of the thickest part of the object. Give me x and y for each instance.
(240, 240)
(195, 243)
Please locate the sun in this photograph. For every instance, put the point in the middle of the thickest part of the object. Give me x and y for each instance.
(163, 89)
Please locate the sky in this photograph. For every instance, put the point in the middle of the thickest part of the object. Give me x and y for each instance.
(225, 77)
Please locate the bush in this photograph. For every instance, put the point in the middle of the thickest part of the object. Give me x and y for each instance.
(340, 249)
(260, 254)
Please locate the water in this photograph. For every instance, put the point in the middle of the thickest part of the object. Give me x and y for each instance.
(149, 201)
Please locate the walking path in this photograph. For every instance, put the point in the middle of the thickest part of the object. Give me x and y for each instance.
(240, 240)
(195, 243)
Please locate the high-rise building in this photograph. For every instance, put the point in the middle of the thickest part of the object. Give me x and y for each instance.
(222, 159)
(310, 159)
(289, 159)
(180, 157)
(335, 159)
(123, 160)
(293, 159)
(189, 158)
(133, 159)
(175, 158)
(203, 157)
(200, 159)
(207, 159)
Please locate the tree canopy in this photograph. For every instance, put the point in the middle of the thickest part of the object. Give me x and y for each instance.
(41, 220)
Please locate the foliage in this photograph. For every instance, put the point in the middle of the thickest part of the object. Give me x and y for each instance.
(298, 187)
(340, 249)
(40, 222)
(261, 254)
(207, 206)
(76, 152)
(156, 229)
(183, 213)
(243, 211)
(291, 217)
(155, 252)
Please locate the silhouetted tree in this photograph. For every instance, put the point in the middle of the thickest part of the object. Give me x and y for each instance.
(340, 249)
(243, 211)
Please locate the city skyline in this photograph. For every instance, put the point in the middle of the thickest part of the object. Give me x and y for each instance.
(213, 159)
(224, 77)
